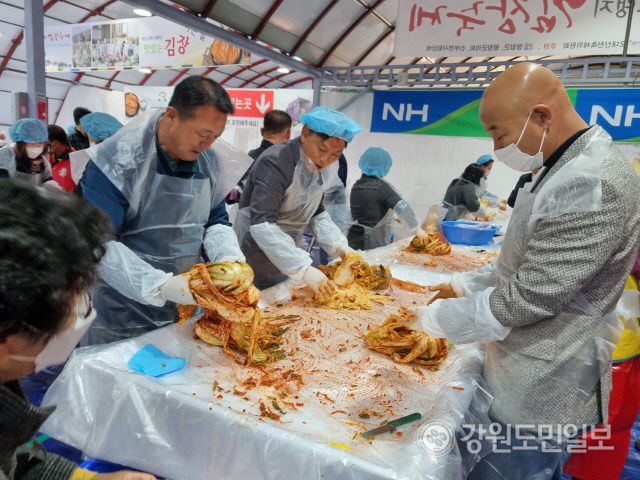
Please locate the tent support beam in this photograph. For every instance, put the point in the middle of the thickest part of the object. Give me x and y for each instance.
(201, 25)
(34, 43)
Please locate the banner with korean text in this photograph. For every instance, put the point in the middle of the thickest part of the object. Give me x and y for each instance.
(250, 105)
(466, 28)
(151, 42)
(455, 112)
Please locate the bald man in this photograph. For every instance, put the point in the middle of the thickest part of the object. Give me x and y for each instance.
(545, 307)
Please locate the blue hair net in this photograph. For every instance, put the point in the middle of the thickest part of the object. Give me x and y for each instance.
(100, 125)
(331, 122)
(28, 130)
(71, 128)
(375, 161)
(484, 159)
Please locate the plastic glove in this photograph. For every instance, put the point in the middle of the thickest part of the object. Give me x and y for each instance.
(344, 250)
(176, 289)
(418, 232)
(461, 320)
(318, 281)
(445, 290)
(455, 289)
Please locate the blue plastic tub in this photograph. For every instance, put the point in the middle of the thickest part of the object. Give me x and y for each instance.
(468, 233)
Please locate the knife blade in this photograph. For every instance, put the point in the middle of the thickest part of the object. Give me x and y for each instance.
(392, 425)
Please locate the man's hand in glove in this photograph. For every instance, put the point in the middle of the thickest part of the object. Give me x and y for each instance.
(418, 232)
(176, 289)
(344, 250)
(445, 290)
(319, 282)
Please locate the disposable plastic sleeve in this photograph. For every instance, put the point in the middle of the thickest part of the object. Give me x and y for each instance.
(493, 199)
(328, 234)
(407, 215)
(478, 280)
(131, 276)
(221, 243)
(461, 320)
(480, 212)
(280, 249)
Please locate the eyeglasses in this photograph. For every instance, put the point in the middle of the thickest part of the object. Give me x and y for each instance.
(83, 310)
(84, 307)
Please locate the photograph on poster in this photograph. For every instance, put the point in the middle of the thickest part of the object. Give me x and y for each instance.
(115, 45)
(81, 39)
(57, 49)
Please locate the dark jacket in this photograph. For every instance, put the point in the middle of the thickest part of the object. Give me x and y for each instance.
(19, 422)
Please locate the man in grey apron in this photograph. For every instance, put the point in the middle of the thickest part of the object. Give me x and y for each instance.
(283, 195)
(546, 307)
(163, 184)
(374, 202)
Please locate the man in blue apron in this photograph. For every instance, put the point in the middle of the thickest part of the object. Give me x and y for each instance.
(162, 183)
(546, 306)
(283, 195)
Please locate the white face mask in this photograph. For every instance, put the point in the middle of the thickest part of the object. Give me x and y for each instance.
(34, 152)
(513, 157)
(59, 348)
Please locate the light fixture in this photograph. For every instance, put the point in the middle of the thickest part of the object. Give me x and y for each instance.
(142, 12)
(144, 70)
(283, 70)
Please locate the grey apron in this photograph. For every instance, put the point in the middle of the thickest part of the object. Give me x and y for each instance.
(300, 202)
(167, 234)
(376, 236)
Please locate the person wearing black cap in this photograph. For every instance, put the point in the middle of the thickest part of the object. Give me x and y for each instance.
(77, 139)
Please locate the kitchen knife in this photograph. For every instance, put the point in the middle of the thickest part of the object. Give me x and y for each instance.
(392, 425)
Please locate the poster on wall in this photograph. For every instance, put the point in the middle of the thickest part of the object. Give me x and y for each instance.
(250, 105)
(151, 42)
(463, 28)
(455, 112)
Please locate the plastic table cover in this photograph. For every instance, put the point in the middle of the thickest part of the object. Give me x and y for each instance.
(204, 422)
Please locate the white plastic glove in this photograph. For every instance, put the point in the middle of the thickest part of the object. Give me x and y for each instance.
(176, 289)
(461, 320)
(418, 232)
(344, 250)
(318, 281)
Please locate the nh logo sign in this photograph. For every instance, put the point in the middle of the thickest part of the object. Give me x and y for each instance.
(616, 119)
(404, 112)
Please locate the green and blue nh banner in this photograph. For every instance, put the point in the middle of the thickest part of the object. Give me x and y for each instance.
(455, 112)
